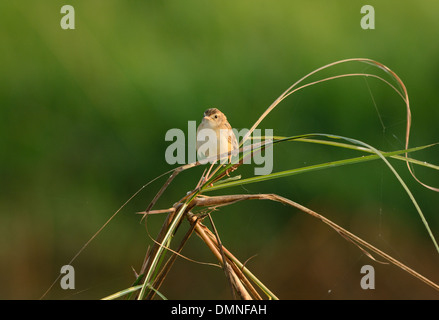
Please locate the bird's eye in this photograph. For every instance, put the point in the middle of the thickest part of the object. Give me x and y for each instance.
(216, 116)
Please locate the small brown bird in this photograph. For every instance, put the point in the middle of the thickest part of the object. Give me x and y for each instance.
(215, 120)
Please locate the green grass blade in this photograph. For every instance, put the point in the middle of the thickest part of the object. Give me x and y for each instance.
(401, 181)
(321, 166)
(148, 276)
(131, 290)
(165, 243)
(377, 154)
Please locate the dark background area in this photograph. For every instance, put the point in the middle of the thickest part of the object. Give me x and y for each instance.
(84, 113)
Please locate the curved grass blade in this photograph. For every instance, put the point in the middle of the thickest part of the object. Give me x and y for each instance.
(131, 290)
(393, 154)
(149, 275)
(338, 163)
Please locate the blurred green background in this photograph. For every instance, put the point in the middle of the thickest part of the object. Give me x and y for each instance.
(84, 112)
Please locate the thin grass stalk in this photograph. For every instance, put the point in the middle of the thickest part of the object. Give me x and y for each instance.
(214, 237)
(122, 293)
(230, 199)
(356, 239)
(237, 285)
(237, 269)
(169, 263)
(332, 164)
(153, 265)
(225, 265)
(209, 238)
(130, 290)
